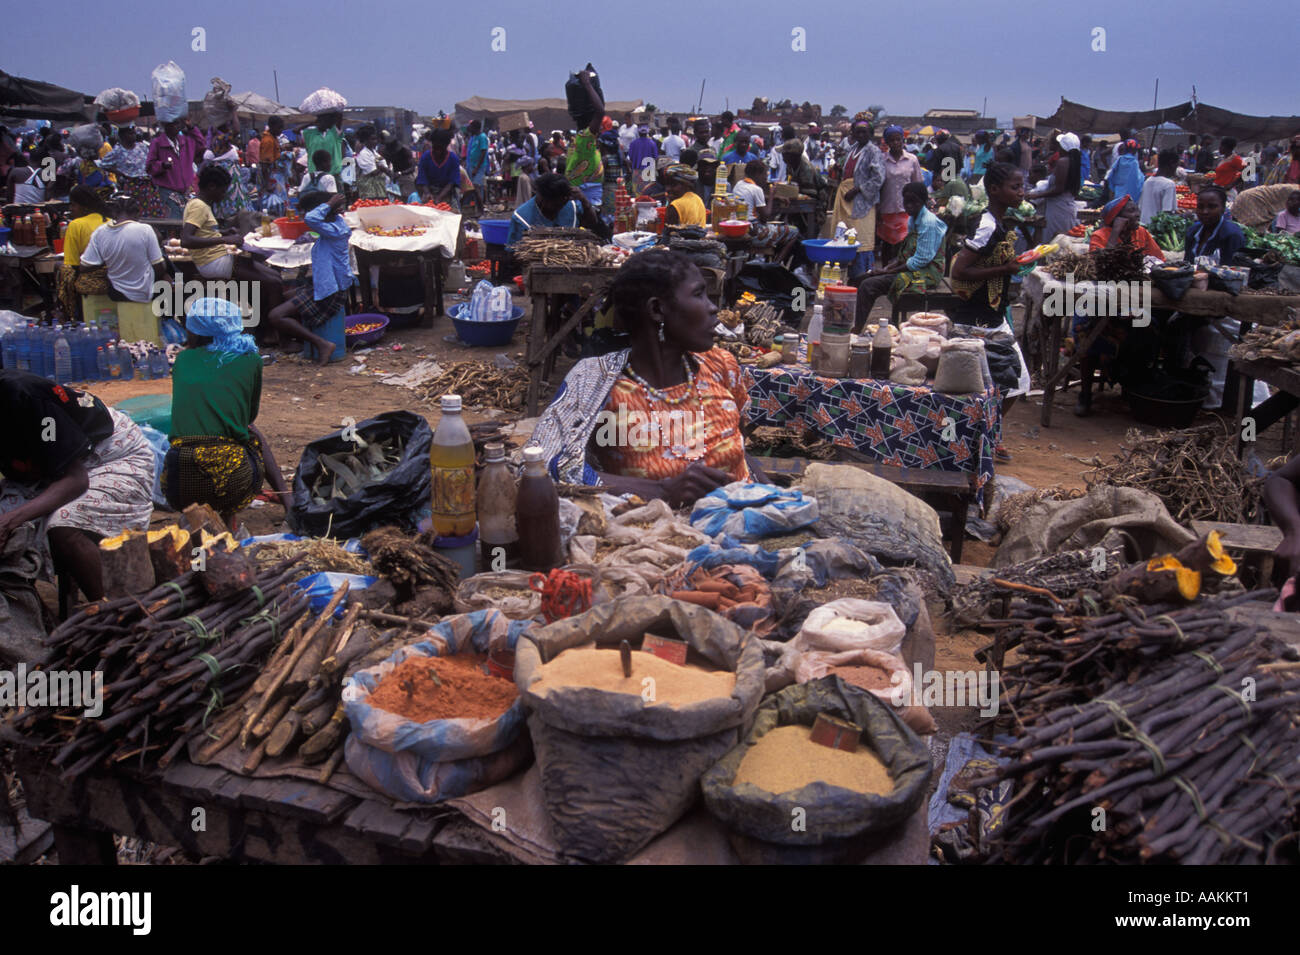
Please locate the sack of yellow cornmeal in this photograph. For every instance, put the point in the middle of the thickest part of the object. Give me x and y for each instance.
(845, 801)
(653, 680)
(618, 769)
(786, 759)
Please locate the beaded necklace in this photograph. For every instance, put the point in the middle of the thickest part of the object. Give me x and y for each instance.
(697, 448)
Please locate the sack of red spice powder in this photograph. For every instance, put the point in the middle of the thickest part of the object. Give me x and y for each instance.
(427, 762)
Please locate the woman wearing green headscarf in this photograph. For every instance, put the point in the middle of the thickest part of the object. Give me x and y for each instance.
(217, 456)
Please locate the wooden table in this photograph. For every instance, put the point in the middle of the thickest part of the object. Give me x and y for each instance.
(1285, 378)
(430, 264)
(1043, 334)
(37, 269)
(548, 286)
(1253, 543)
(803, 209)
(285, 821)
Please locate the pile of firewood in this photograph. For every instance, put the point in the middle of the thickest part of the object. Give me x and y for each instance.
(170, 658)
(1153, 733)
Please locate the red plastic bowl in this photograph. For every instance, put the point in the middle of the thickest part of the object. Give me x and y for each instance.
(291, 228)
(733, 230)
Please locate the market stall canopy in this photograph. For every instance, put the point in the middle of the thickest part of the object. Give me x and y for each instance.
(546, 114)
(32, 99)
(1194, 117)
(255, 104)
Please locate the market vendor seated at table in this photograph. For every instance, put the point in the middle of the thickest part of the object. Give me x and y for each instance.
(1120, 226)
(556, 205)
(1214, 234)
(202, 236)
(918, 266)
(685, 207)
(217, 457)
(672, 377)
(86, 470)
(773, 239)
(87, 211)
(1288, 220)
(128, 250)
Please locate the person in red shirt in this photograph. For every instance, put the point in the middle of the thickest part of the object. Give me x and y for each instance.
(1228, 172)
(1121, 220)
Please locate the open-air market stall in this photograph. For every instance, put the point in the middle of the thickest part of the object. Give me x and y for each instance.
(404, 235)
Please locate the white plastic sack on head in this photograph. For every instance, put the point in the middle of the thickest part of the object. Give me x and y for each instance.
(169, 102)
(115, 98)
(852, 624)
(87, 137)
(324, 100)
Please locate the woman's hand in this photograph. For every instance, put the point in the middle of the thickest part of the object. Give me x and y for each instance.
(692, 484)
(852, 194)
(9, 522)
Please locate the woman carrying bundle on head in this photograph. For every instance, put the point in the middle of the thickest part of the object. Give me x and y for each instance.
(217, 456)
(1063, 183)
(660, 419)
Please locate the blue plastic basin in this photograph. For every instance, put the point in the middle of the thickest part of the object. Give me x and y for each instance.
(482, 334)
(495, 231)
(817, 250)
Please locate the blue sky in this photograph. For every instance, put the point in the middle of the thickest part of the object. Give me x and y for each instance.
(427, 55)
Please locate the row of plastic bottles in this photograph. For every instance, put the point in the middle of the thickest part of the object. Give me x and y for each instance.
(77, 353)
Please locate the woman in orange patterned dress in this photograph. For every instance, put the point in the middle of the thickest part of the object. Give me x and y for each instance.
(661, 419)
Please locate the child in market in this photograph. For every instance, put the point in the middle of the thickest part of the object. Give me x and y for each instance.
(312, 305)
(321, 180)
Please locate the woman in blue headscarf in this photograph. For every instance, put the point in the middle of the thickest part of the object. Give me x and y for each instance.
(217, 456)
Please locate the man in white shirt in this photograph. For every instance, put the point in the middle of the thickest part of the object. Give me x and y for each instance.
(1160, 192)
(627, 133)
(750, 189)
(130, 252)
(673, 143)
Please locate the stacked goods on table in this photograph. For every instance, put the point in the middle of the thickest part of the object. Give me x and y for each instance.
(1178, 721)
(620, 757)
(1119, 264)
(1186, 198)
(1195, 472)
(828, 753)
(1277, 343)
(1284, 245)
(169, 658)
(292, 707)
(400, 232)
(567, 248)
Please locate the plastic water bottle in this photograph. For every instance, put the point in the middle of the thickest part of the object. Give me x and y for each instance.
(24, 349)
(114, 362)
(10, 348)
(158, 367)
(124, 356)
(62, 359)
(101, 364)
(47, 352)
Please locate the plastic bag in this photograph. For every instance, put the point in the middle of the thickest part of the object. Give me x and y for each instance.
(322, 587)
(169, 102)
(440, 759)
(393, 499)
(218, 108)
(579, 103)
(158, 441)
(851, 624)
(1000, 350)
(87, 138)
(489, 303)
(115, 98)
(323, 100)
(752, 511)
(840, 821)
(615, 771)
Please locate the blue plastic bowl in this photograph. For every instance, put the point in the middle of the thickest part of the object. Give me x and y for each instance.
(495, 231)
(817, 250)
(4, 234)
(489, 334)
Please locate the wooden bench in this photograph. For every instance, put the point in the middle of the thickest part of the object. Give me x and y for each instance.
(951, 488)
(1254, 542)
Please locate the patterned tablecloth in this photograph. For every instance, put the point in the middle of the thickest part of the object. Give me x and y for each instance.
(900, 425)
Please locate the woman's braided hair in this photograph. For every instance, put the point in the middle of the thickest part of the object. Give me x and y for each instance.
(655, 272)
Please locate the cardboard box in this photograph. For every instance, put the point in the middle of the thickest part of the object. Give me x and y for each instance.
(512, 121)
(785, 190)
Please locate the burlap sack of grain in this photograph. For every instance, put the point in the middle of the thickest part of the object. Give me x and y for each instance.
(439, 759)
(616, 771)
(1052, 526)
(840, 825)
(880, 518)
(1258, 207)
